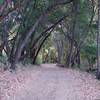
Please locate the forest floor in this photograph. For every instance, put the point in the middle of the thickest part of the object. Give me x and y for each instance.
(48, 82)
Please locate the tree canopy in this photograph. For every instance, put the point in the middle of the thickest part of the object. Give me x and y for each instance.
(29, 27)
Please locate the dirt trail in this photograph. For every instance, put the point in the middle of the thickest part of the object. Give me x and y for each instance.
(48, 82)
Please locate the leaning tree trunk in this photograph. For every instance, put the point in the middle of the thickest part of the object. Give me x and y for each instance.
(40, 46)
(22, 43)
(98, 42)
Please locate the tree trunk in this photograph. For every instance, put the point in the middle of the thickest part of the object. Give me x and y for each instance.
(72, 32)
(98, 42)
(5, 37)
(41, 44)
(23, 42)
(78, 58)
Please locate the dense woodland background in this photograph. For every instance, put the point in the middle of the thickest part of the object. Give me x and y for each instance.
(66, 32)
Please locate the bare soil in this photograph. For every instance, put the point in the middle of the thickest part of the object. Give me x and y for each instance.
(48, 82)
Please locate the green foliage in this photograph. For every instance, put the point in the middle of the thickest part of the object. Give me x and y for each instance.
(89, 52)
(1, 1)
(31, 12)
(3, 59)
(55, 15)
(27, 61)
(39, 60)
